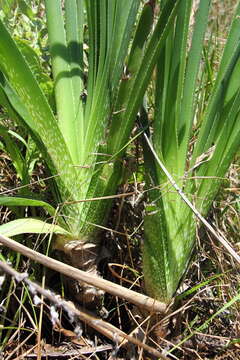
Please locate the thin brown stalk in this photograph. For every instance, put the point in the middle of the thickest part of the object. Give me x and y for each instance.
(98, 324)
(99, 198)
(27, 185)
(19, 346)
(133, 297)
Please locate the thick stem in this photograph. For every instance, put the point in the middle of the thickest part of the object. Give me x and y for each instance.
(85, 255)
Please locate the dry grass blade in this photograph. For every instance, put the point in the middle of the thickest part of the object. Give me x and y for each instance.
(68, 354)
(98, 324)
(18, 347)
(219, 237)
(100, 198)
(140, 300)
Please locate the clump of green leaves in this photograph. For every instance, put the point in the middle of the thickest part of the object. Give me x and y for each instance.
(196, 151)
(83, 134)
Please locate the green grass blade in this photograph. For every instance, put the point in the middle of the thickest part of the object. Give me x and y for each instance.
(74, 18)
(171, 76)
(186, 115)
(125, 16)
(74, 39)
(211, 121)
(20, 201)
(5, 102)
(74, 13)
(98, 102)
(120, 131)
(66, 101)
(14, 152)
(134, 60)
(31, 226)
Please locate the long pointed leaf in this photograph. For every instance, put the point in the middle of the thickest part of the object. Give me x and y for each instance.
(21, 201)
(121, 130)
(31, 226)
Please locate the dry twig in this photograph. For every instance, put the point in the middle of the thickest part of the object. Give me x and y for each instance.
(98, 324)
(133, 297)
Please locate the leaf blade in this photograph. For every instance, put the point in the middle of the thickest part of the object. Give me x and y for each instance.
(31, 226)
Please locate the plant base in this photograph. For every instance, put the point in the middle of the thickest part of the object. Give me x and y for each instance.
(84, 256)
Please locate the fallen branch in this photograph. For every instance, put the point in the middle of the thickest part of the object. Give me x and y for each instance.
(133, 297)
(98, 324)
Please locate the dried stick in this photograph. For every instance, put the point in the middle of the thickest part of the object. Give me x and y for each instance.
(133, 297)
(98, 324)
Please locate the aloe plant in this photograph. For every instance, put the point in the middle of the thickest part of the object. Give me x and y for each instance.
(197, 152)
(84, 133)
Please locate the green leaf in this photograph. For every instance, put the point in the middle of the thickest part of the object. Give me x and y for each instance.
(14, 152)
(21, 201)
(187, 104)
(7, 6)
(31, 226)
(67, 71)
(211, 120)
(120, 130)
(33, 62)
(26, 9)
